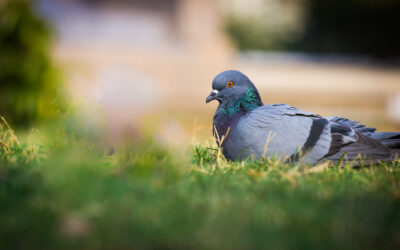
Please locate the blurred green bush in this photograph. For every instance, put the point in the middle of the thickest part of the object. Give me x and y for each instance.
(265, 24)
(345, 27)
(29, 83)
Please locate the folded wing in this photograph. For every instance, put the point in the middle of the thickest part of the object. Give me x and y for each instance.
(282, 130)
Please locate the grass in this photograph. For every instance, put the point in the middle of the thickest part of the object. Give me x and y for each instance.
(58, 190)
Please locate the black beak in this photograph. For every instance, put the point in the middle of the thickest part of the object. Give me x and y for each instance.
(212, 96)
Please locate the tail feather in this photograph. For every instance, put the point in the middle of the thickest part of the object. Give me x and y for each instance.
(370, 145)
(364, 148)
(389, 139)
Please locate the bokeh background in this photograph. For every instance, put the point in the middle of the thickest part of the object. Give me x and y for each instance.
(148, 64)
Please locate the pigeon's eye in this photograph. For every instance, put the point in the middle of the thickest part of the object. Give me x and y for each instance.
(230, 84)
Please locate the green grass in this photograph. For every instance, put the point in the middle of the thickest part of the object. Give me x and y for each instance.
(58, 190)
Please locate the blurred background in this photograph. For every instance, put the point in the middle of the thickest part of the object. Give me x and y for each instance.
(134, 64)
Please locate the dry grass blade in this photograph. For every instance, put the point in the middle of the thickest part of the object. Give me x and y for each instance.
(255, 173)
(269, 138)
(10, 131)
(220, 140)
(4, 145)
(318, 168)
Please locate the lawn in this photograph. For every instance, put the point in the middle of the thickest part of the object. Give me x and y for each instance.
(60, 190)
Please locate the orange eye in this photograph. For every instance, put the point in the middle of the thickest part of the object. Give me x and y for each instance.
(230, 84)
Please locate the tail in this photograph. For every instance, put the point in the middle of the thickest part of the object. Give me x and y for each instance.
(389, 139)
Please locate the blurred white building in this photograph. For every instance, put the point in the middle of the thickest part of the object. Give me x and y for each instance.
(134, 57)
(177, 43)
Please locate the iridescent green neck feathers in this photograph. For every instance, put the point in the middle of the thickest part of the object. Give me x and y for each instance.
(245, 103)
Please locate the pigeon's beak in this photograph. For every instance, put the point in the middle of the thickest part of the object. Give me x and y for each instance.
(212, 96)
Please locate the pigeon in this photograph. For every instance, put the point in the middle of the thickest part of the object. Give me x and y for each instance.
(245, 128)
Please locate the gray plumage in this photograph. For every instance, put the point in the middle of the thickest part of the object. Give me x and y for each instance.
(248, 129)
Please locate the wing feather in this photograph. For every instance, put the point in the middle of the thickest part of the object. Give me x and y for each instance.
(287, 128)
(363, 148)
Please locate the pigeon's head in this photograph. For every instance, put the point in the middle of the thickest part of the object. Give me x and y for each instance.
(233, 87)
